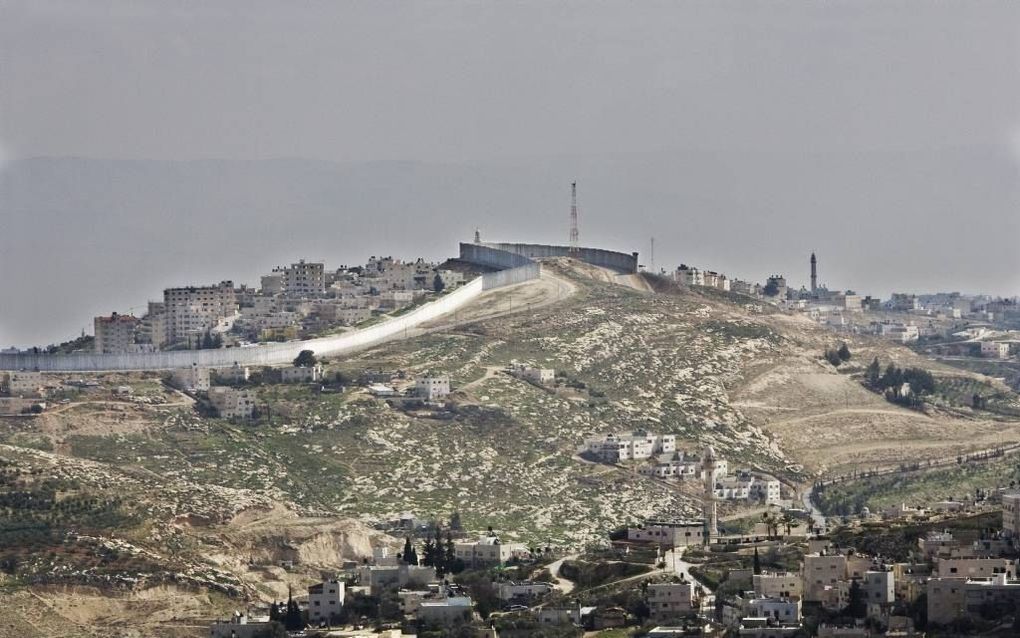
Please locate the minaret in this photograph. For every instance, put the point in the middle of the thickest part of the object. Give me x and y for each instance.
(478, 236)
(814, 274)
(708, 499)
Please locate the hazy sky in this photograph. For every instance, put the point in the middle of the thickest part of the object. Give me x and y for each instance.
(559, 85)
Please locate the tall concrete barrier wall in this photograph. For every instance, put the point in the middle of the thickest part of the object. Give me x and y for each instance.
(512, 276)
(486, 255)
(622, 262)
(269, 354)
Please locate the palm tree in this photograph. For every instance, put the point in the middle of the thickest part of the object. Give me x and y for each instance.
(788, 521)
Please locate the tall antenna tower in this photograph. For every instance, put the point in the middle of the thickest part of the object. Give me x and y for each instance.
(651, 258)
(573, 218)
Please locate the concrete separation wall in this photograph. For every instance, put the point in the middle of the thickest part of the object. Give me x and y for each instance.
(512, 276)
(621, 262)
(262, 355)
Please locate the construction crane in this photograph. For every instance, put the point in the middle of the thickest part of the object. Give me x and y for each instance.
(573, 219)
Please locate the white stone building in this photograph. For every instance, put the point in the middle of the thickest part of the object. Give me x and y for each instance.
(194, 310)
(325, 600)
(447, 610)
(633, 446)
(300, 374)
(431, 388)
(675, 533)
(488, 550)
(233, 403)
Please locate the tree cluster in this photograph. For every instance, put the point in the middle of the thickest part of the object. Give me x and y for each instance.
(892, 379)
(838, 356)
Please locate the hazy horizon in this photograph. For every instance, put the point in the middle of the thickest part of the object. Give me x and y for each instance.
(216, 141)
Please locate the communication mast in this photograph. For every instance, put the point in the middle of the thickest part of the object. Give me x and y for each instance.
(573, 218)
(651, 258)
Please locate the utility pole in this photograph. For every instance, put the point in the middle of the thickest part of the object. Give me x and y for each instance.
(573, 218)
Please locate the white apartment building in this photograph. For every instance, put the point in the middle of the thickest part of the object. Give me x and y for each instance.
(431, 388)
(325, 600)
(670, 600)
(676, 533)
(633, 446)
(233, 403)
(115, 334)
(25, 383)
(488, 550)
(194, 378)
(302, 279)
(197, 309)
(296, 374)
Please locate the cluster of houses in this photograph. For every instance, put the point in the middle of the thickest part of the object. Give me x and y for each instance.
(423, 596)
(662, 460)
(294, 301)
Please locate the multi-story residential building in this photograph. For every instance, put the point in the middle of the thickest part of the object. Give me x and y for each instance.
(745, 287)
(995, 349)
(115, 334)
(689, 276)
(325, 600)
(1011, 514)
(194, 378)
(233, 403)
(302, 279)
(879, 586)
(234, 374)
(297, 374)
(670, 600)
(675, 533)
(488, 550)
(950, 599)
(431, 388)
(633, 446)
(973, 567)
(776, 585)
(152, 327)
(195, 310)
(24, 383)
(821, 571)
(381, 578)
